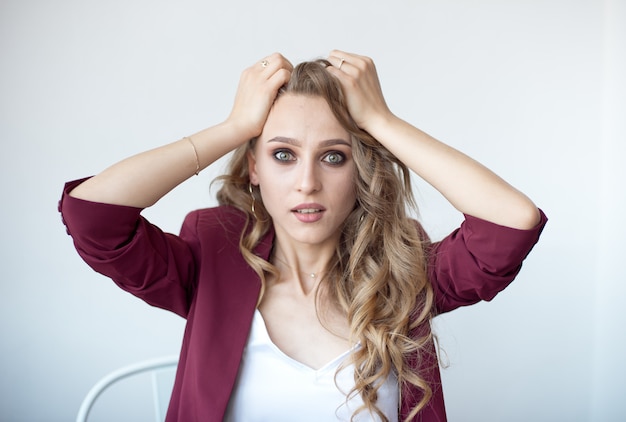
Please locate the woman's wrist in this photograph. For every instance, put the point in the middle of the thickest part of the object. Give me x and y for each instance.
(381, 126)
(216, 141)
(238, 132)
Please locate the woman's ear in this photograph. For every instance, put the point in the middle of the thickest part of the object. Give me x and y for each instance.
(254, 178)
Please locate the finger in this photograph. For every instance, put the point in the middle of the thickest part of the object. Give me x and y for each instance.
(346, 55)
(342, 68)
(278, 79)
(338, 61)
(354, 62)
(277, 71)
(272, 63)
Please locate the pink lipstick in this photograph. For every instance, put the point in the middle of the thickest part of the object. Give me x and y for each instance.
(308, 213)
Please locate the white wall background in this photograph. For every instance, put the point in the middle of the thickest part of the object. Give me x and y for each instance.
(533, 89)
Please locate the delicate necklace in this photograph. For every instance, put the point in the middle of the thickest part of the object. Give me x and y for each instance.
(312, 276)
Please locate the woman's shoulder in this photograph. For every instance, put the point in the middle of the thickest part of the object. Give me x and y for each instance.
(221, 227)
(220, 212)
(223, 217)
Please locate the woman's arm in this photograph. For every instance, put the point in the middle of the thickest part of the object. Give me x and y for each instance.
(469, 186)
(141, 180)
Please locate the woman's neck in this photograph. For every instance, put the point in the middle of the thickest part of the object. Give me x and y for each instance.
(305, 265)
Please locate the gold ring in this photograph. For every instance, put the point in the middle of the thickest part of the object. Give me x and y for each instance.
(264, 63)
(341, 62)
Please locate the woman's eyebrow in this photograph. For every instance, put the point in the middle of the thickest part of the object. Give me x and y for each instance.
(285, 140)
(331, 142)
(323, 144)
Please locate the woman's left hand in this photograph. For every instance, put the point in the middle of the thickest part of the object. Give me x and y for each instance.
(359, 80)
(469, 186)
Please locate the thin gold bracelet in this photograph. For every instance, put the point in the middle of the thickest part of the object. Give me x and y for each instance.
(195, 152)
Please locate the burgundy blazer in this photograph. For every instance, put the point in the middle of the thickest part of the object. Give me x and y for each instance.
(201, 276)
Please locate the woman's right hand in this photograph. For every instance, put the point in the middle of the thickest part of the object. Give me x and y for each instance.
(258, 87)
(141, 180)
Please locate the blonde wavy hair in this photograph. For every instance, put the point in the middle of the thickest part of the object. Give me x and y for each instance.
(378, 275)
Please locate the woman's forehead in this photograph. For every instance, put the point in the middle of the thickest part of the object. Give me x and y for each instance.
(301, 118)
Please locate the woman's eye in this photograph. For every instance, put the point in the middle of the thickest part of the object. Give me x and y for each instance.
(283, 155)
(334, 158)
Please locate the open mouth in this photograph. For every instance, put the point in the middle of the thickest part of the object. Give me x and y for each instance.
(307, 211)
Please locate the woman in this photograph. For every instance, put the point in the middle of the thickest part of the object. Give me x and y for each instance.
(308, 293)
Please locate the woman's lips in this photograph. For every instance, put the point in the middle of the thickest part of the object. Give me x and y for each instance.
(308, 213)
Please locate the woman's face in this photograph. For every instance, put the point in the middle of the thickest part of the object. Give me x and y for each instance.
(302, 163)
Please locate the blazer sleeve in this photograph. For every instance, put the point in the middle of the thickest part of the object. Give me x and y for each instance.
(116, 241)
(477, 261)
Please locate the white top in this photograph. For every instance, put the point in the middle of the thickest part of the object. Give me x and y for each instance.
(271, 386)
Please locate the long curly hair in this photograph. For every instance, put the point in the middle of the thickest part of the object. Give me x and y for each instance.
(378, 275)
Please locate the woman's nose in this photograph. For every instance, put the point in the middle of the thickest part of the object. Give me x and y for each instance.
(309, 180)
